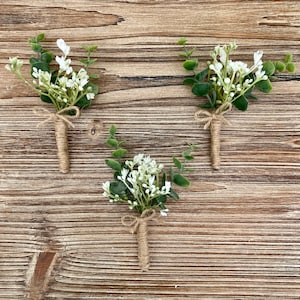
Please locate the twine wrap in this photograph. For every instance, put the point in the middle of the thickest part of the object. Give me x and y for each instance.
(61, 123)
(139, 226)
(214, 120)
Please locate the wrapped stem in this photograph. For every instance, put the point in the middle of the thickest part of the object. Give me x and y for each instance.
(143, 249)
(139, 225)
(215, 143)
(61, 135)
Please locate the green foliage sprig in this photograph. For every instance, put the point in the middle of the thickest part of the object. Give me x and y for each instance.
(61, 86)
(223, 80)
(141, 182)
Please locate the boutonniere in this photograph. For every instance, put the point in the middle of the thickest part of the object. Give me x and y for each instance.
(225, 84)
(145, 186)
(60, 85)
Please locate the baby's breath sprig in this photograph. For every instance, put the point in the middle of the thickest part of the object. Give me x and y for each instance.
(61, 86)
(226, 83)
(141, 182)
(144, 186)
(68, 90)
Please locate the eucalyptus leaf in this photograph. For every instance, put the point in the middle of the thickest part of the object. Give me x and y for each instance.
(264, 86)
(290, 67)
(177, 163)
(269, 68)
(201, 88)
(201, 75)
(181, 180)
(46, 99)
(241, 103)
(190, 64)
(120, 152)
(113, 164)
(112, 130)
(280, 66)
(83, 102)
(173, 194)
(189, 81)
(112, 142)
(117, 187)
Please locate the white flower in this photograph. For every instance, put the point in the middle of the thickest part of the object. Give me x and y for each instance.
(217, 67)
(164, 212)
(90, 96)
(14, 65)
(227, 80)
(257, 56)
(106, 188)
(167, 186)
(64, 64)
(63, 47)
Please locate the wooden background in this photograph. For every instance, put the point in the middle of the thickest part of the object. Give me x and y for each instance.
(233, 235)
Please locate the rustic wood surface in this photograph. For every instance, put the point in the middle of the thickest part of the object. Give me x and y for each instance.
(235, 234)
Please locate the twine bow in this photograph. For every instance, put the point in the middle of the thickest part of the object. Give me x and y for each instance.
(50, 116)
(134, 222)
(217, 114)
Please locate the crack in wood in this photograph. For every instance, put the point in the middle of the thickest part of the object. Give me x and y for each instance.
(39, 274)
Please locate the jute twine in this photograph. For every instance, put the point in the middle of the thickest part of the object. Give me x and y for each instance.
(139, 226)
(61, 122)
(214, 120)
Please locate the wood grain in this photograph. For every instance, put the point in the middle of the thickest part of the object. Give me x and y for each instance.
(233, 235)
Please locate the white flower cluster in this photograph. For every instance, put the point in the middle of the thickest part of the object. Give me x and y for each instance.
(141, 178)
(230, 75)
(66, 87)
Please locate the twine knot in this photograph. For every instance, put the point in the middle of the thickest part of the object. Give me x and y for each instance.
(135, 221)
(218, 114)
(60, 115)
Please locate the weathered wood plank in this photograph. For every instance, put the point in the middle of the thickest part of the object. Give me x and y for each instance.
(233, 235)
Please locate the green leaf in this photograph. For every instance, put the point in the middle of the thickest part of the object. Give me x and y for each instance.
(177, 163)
(201, 75)
(161, 200)
(290, 67)
(40, 65)
(280, 66)
(207, 105)
(33, 60)
(117, 187)
(182, 41)
(173, 194)
(269, 68)
(181, 180)
(46, 99)
(36, 47)
(241, 103)
(112, 142)
(120, 152)
(189, 81)
(201, 88)
(83, 102)
(264, 86)
(187, 155)
(113, 164)
(112, 130)
(47, 57)
(288, 58)
(40, 37)
(90, 48)
(190, 64)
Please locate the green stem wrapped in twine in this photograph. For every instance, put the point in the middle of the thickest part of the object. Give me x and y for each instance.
(139, 225)
(61, 123)
(213, 121)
